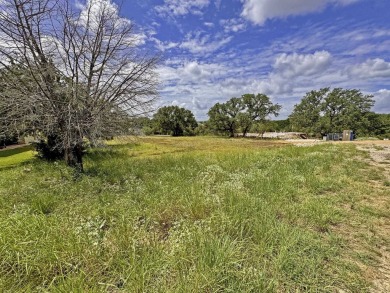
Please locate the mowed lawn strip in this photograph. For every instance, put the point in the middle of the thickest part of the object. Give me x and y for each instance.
(161, 214)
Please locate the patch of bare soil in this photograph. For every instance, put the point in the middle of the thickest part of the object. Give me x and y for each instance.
(376, 145)
(379, 152)
(305, 142)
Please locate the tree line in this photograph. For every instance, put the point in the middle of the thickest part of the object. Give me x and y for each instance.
(318, 113)
(229, 118)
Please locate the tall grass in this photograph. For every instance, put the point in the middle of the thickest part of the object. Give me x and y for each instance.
(183, 215)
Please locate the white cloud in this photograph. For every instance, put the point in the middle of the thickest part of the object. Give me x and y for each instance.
(193, 69)
(295, 74)
(196, 71)
(382, 33)
(209, 24)
(372, 68)
(315, 56)
(198, 43)
(178, 103)
(201, 85)
(167, 74)
(232, 25)
(258, 11)
(182, 7)
(286, 79)
(293, 65)
(163, 46)
(198, 105)
(364, 49)
(382, 101)
(191, 72)
(92, 10)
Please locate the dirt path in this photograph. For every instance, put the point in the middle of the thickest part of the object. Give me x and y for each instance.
(380, 158)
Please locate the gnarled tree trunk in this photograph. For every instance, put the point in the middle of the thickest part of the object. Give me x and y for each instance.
(74, 157)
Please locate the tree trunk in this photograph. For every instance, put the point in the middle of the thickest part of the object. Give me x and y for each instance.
(245, 131)
(231, 130)
(74, 157)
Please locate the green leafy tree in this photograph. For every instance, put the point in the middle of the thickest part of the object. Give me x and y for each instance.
(175, 121)
(257, 108)
(385, 124)
(326, 110)
(241, 113)
(263, 126)
(224, 118)
(307, 114)
(379, 125)
(203, 128)
(282, 125)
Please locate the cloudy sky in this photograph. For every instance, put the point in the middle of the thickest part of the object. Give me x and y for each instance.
(217, 49)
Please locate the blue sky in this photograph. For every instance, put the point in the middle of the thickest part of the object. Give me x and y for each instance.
(217, 49)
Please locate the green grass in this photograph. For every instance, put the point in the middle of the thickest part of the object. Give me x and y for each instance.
(12, 157)
(186, 215)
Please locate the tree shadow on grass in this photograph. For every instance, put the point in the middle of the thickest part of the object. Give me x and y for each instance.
(98, 158)
(15, 157)
(108, 153)
(11, 152)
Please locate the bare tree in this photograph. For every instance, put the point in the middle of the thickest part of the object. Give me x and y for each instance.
(72, 70)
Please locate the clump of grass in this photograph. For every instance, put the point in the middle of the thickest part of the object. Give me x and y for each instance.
(183, 215)
(379, 148)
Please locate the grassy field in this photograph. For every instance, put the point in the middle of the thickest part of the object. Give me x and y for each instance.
(165, 214)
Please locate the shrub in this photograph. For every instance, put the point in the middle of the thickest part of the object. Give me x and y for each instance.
(48, 149)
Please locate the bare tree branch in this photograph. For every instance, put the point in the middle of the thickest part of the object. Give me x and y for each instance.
(71, 70)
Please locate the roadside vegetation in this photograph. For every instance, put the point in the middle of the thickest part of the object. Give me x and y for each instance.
(196, 214)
